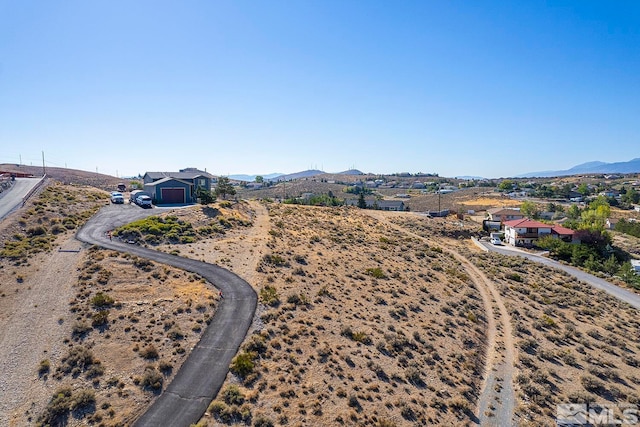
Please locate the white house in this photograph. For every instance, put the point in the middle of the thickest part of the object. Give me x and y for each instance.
(525, 232)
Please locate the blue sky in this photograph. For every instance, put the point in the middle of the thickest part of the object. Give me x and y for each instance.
(486, 88)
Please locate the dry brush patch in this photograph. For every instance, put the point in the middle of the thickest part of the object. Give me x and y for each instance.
(133, 324)
(359, 318)
(574, 343)
(54, 211)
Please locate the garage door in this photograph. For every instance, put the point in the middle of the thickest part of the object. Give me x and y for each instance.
(173, 195)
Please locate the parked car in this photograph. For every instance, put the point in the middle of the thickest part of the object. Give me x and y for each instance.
(496, 241)
(143, 201)
(117, 198)
(122, 187)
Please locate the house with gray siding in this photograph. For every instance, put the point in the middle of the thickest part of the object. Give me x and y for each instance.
(176, 187)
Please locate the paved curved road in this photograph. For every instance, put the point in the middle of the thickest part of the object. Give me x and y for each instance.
(199, 379)
(622, 294)
(13, 197)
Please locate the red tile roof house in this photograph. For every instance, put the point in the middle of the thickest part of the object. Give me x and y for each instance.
(525, 232)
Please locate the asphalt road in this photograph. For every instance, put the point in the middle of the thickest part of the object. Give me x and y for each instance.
(12, 198)
(199, 379)
(622, 294)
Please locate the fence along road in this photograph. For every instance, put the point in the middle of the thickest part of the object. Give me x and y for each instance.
(14, 197)
(199, 379)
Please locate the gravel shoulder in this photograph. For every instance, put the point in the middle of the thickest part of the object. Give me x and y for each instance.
(26, 332)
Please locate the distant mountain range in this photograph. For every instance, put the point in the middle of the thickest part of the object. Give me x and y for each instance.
(632, 166)
(288, 177)
(251, 178)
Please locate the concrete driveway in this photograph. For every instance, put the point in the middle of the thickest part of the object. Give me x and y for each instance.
(199, 379)
(622, 294)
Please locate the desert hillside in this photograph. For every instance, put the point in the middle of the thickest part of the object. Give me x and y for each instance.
(365, 318)
(90, 336)
(360, 325)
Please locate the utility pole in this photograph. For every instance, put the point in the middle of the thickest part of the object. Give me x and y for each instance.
(20, 155)
(44, 168)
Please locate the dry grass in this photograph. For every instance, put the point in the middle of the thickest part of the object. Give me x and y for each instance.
(359, 323)
(574, 343)
(151, 323)
(369, 322)
(127, 326)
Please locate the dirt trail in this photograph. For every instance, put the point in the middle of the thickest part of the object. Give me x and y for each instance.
(496, 403)
(35, 330)
(247, 254)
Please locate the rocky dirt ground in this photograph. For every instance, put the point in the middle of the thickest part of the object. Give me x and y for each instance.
(572, 343)
(364, 320)
(361, 325)
(94, 322)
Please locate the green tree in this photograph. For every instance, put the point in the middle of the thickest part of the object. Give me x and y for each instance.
(259, 179)
(205, 196)
(631, 196)
(595, 217)
(627, 274)
(583, 189)
(506, 185)
(530, 209)
(573, 212)
(565, 191)
(224, 187)
(362, 203)
(610, 266)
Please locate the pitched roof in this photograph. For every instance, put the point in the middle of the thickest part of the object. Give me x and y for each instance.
(167, 179)
(504, 211)
(183, 174)
(563, 231)
(526, 222)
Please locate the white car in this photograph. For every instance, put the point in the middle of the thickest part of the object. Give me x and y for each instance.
(143, 201)
(496, 241)
(117, 198)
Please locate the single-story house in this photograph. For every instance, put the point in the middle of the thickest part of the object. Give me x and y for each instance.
(525, 232)
(503, 214)
(176, 187)
(610, 193)
(611, 223)
(383, 205)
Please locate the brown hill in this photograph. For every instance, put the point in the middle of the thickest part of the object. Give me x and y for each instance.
(67, 176)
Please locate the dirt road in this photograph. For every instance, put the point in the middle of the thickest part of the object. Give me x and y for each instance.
(496, 403)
